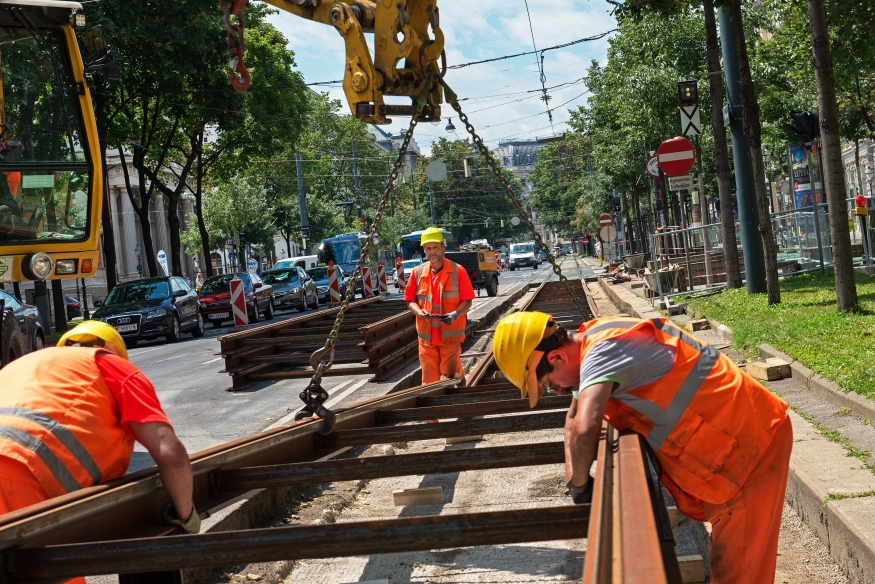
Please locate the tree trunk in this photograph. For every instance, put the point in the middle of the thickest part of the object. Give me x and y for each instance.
(199, 207)
(141, 207)
(109, 255)
(752, 130)
(834, 175)
(175, 243)
(721, 152)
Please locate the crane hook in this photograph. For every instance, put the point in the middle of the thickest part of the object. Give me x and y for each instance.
(236, 69)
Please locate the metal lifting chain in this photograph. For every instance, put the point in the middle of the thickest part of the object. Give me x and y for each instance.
(452, 99)
(314, 395)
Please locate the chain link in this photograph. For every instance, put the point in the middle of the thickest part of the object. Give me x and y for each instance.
(316, 359)
(452, 99)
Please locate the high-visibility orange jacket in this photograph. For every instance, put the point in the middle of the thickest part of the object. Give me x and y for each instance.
(707, 421)
(446, 300)
(61, 421)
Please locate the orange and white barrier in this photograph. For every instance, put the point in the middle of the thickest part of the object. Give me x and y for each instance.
(381, 278)
(333, 286)
(367, 282)
(238, 303)
(400, 282)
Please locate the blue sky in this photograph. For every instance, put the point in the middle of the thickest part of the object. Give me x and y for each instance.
(498, 97)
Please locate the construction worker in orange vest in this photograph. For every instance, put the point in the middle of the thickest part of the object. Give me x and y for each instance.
(722, 440)
(439, 293)
(69, 416)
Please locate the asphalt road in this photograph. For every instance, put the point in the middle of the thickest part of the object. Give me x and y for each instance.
(193, 392)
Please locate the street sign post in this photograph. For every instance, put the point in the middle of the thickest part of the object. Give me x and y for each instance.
(680, 183)
(675, 156)
(605, 220)
(238, 303)
(653, 167)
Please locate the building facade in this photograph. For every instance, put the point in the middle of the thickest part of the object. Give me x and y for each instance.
(519, 157)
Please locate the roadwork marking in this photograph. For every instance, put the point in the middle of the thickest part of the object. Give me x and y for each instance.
(339, 397)
(171, 358)
(291, 417)
(212, 360)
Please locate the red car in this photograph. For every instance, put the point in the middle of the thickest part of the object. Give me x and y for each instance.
(215, 297)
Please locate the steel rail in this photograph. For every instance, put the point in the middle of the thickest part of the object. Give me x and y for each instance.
(301, 542)
(626, 544)
(399, 465)
(392, 434)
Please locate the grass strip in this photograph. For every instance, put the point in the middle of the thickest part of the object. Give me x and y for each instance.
(806, 326)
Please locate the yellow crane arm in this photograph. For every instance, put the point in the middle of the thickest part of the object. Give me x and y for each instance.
(408, 44)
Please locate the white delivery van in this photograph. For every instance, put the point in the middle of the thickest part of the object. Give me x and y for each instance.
(305, 262)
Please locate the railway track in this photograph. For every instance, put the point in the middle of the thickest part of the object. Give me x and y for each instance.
(113, 528)
(378, 336)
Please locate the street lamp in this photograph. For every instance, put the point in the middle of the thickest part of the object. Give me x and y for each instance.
(138, 250)
(450, 127)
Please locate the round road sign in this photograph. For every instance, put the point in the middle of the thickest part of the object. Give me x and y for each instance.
(608, 233)
(515, 221)
(436, 171)
(653, 167)
(606, 220)
(675, 156)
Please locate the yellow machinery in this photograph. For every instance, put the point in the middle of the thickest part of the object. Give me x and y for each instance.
(401, 33)
(50, 164)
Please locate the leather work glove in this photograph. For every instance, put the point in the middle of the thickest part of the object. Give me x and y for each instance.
(581, 495)
(190, 527)
(450, 317)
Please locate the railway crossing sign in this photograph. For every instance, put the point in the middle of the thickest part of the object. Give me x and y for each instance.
(606, 220)
(675, 156)
(238, 303)
(691, 123)
(653, 167)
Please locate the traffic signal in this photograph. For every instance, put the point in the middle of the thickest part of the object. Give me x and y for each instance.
(805, 125)
(615, 203)
(688, 93)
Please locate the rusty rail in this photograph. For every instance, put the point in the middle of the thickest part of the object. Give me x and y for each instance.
(378, 336)
(80, 534)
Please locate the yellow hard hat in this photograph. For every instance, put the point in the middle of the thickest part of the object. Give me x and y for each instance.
(93, 333)
(431, 234)
(516, 338)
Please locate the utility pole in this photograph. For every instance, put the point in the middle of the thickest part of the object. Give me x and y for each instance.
(355, 178)
(302, 201)
(431, 202)
(748, 215)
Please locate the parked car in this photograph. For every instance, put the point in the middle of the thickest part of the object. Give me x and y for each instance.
(320, 277)
(522, 255)
(543, 255)
(292, 288)
(73, 308)
(151, 308)
(409, 266)
(215, 298)
(22, 328)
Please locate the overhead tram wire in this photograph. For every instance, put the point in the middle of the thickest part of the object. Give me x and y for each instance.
(545, 97)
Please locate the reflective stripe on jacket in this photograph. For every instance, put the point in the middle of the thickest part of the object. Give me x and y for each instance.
(446, 301)
(707, 421)
(60, 419)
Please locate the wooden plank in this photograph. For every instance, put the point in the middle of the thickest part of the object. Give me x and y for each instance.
(427, 496)
(462, 439)
(769, 370)
(692, 568)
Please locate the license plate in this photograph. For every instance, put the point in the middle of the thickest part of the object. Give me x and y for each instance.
(124, 328)
(220, 315)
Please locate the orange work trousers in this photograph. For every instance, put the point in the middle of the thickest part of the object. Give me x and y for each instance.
(15, 495)
(437, 360)
(745, 529)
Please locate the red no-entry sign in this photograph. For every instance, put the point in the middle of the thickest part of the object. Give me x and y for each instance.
(605, 220)
(675, 156)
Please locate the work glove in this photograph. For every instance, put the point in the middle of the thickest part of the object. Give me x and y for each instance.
(581, 495)
(450, 317)
(191, 527)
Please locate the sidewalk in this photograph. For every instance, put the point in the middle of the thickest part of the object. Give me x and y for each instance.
(831, 484)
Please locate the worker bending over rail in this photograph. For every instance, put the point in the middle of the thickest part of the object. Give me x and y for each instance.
(722, 440)
(439, 293)
(69, 416)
